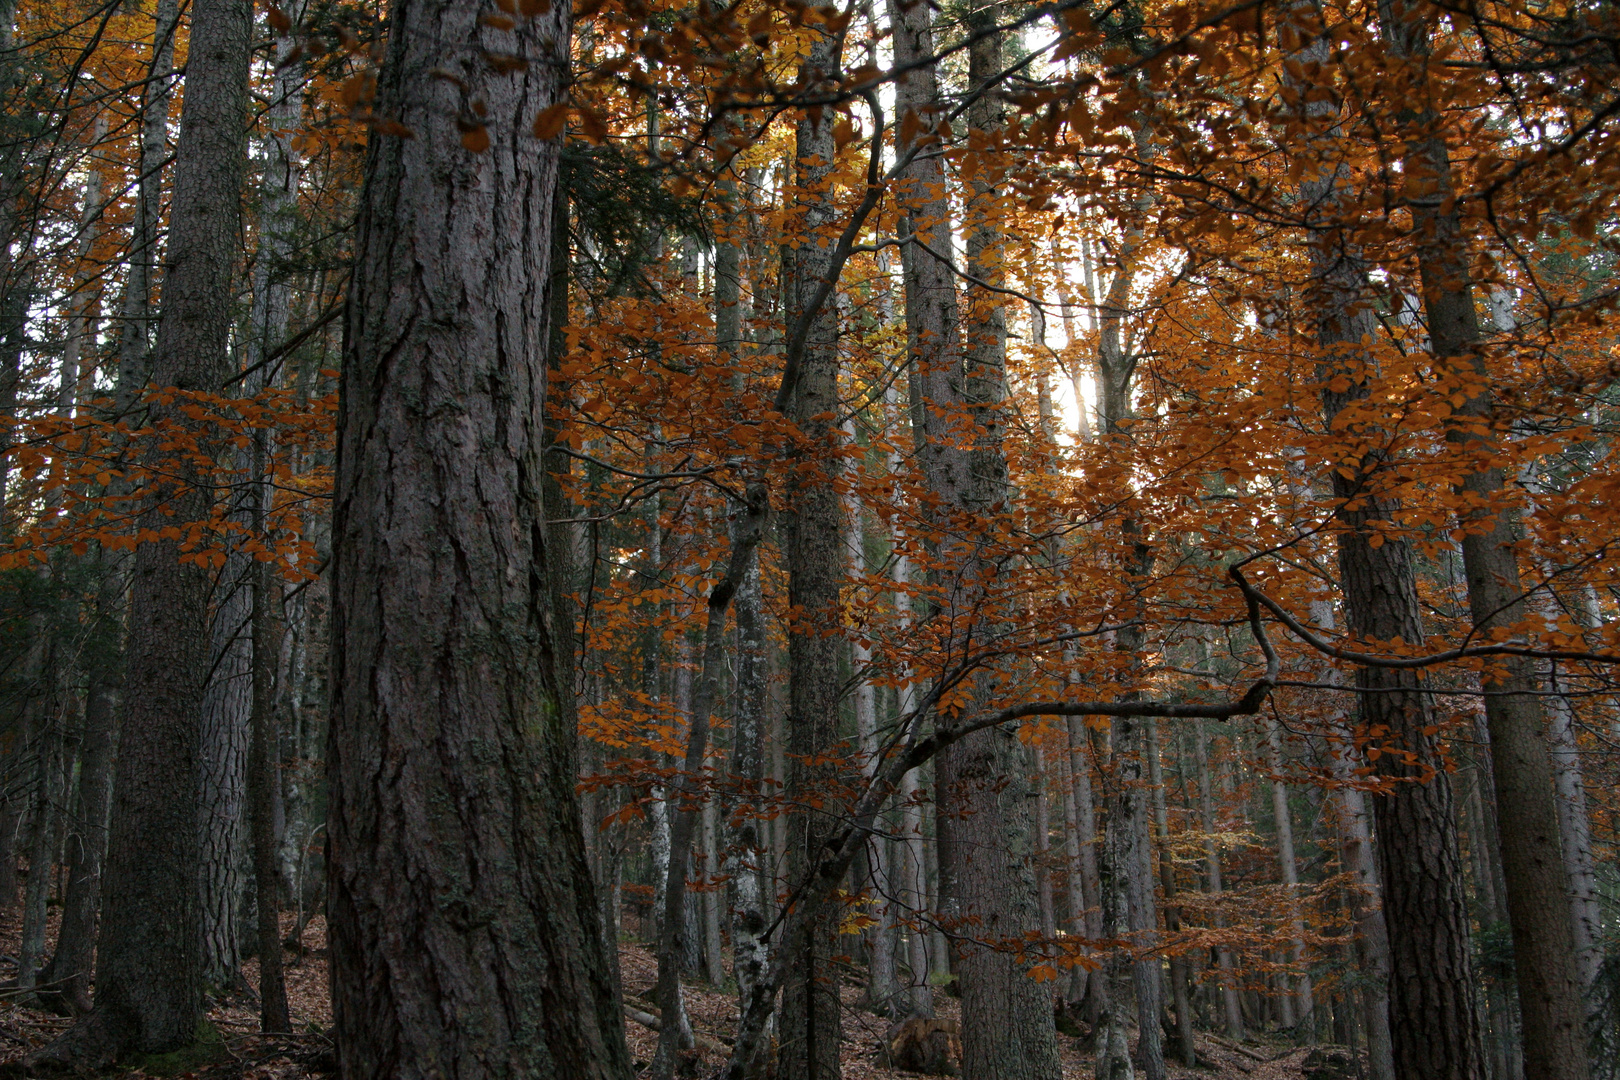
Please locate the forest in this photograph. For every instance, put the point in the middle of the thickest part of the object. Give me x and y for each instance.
(1018, 539)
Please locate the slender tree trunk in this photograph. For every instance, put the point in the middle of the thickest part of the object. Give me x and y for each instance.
(1576, 828)
(1231, 1001)
(262, 780)
(147, 977)
(69, 970)
(1097, 993)
(135, 307)
(464, 930)
(880, 989)
(814, 550)
(1043, 845)
(913, 873)
(749, 848)
(1180, 977)
(1290, 879)
(675, 1034)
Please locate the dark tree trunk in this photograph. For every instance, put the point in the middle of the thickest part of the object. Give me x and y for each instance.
(811, 1021)
(1434, 1023)
(465, 936)
(147, 980)
(67, 975)
(986, 848)
(1544, 954)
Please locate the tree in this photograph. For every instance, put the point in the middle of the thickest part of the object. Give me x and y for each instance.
(147, 995)
(463, 921)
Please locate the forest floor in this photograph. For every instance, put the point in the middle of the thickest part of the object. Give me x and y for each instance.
(243, 1054)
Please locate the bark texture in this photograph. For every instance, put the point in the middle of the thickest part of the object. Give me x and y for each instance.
(1544, 953)
(987, 882)
(811, 1021)
(464, 929)
(147, 986)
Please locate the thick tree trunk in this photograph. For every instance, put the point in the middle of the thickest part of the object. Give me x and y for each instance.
(811, 1023)
(222, 776)
(1544, 952)
(147, 978)
(987, 852)
(463, 925)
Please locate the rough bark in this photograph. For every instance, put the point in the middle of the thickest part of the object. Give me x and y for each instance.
(814, 550)
(147, 979)
(1356, 856)
(222, 776)
(464, 929)
(987, 851)
(1544, 953)
(1434, 1026)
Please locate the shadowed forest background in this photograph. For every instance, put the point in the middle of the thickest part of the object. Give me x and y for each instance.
(754, 540)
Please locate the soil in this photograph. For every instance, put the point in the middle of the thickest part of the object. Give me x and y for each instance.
(305, 1054)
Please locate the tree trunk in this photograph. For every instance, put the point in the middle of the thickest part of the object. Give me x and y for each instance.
(912, 891)
(675, 1032)
(1231, 1002)
(811, 1023)
(1096, 987)
(134, 312)
(68, 973)
(1180, 977)
(1357, 858)
(748, 863)
(986, 851)
(1544, 953)
(227, 714)
(464, 930)
(1290, 880)
(147, 978)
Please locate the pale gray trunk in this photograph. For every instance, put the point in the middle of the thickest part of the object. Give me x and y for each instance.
(135, 308)
(1575, 826)
(912, 888)
(1356, 857)
(1043, 844)
(1180, 976)
(987, 851)
(1301, 990)
(1231, 993)
(880, 990)
(1095, 987)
